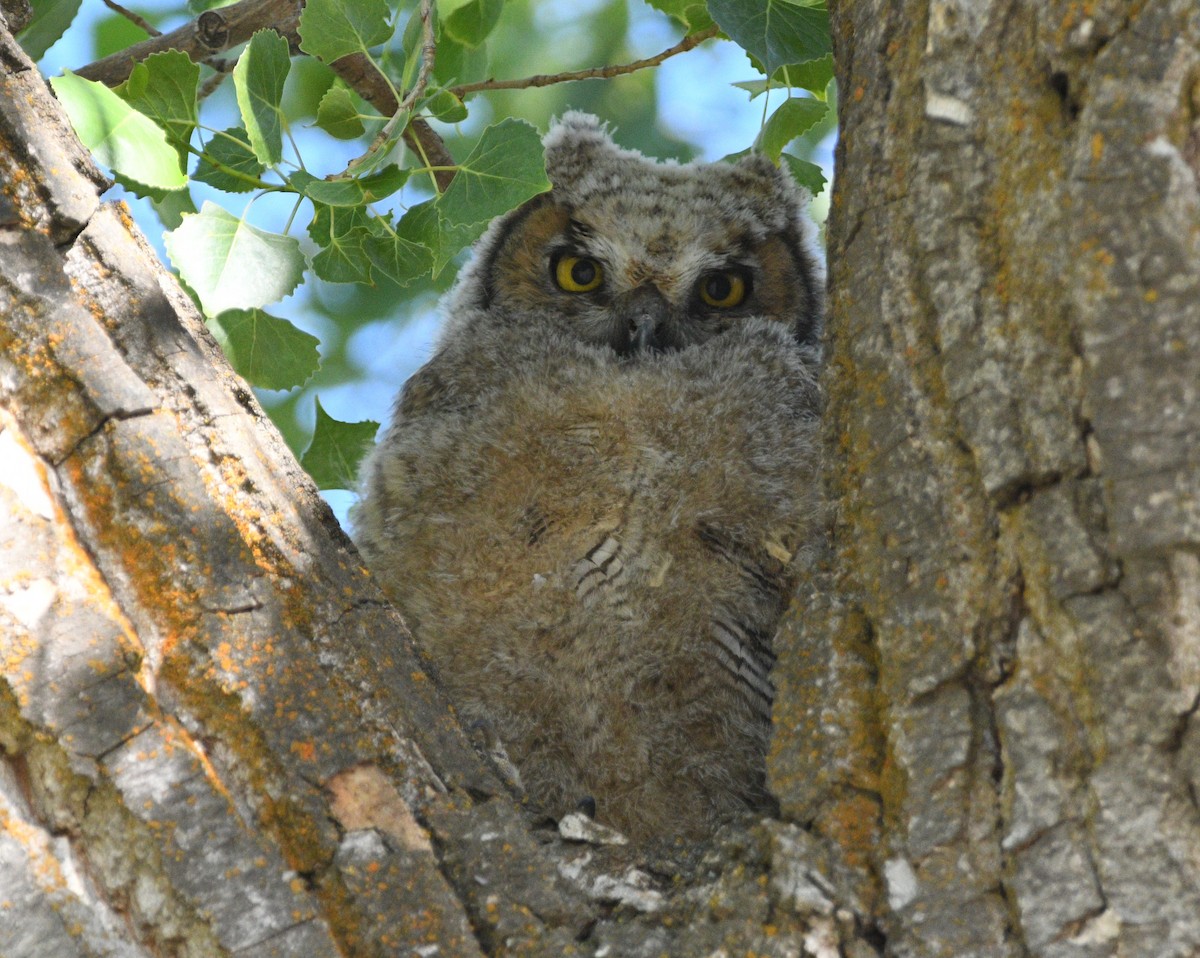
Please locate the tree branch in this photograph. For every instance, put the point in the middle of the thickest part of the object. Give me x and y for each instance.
(209, 34)
(594, 73)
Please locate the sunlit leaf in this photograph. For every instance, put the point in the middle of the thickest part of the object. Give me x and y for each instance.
(332, 29)
(338, 114)
(506, 168)
(123, 139)
(778, 32)
(163, 87)
(231, 264)
(226, 155)
(266, 351)
(258, 80)
(337, 448)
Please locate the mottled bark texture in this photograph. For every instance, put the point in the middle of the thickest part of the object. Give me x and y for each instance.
(1000, 683)
(215, 739)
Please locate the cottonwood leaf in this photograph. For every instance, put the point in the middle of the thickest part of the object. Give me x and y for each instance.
(337, 448)
(692, 14)
(265, 350)
(421, 225)
(226, 155)
(258, 80)
(50, 21)
(777, 32)
(813, 76)
(163, 87)
(337, 114)
(332, 29)
(126, 141)
(471, 23)
(231, 264)
(342, 235)
(352, 191)
(807, 174)
(506, 168)
(794, 117)
(397, 258)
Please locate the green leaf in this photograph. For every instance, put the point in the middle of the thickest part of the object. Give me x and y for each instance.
(807, 174)
(458, 63)
(266, 351)
(398, 259)
(225, 155)
(778, 32)
(350, 191)
(794, 117)
(163, 87)
(172, 206)
(471, 23)
(506, 168)
(813, 76)
(50, 21)
(342, 235)
(338, 114)
(337, 448)
(258, 79)
(332, 29)
(421, 225)
(691, 14)
(445, 106)
(126, 141)
(231, 264)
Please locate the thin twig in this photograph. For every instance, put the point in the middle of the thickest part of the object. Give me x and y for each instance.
(428, 52)
(132, 17)
(548, 79)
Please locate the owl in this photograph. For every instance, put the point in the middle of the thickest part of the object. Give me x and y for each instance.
(591, 503)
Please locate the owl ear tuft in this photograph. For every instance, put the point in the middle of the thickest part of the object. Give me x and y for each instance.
(576, 143)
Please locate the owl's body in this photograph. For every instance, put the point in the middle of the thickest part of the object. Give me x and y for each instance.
(590, 500)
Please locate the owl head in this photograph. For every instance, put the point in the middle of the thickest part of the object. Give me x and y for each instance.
(643, 256)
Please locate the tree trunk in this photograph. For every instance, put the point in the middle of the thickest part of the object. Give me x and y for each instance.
(216, 738)
(990, 707)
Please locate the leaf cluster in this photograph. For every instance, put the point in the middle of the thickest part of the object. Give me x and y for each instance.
(149, 132)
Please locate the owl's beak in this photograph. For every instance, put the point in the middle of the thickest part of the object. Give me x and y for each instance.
(645, 312)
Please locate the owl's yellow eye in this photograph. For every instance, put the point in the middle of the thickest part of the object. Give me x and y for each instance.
(577, 274)
(723, 289)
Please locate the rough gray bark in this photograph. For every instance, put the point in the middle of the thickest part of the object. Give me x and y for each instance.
(1006, 665)
(215, 738)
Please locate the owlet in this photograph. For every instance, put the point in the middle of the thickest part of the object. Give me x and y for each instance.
(591, 503)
